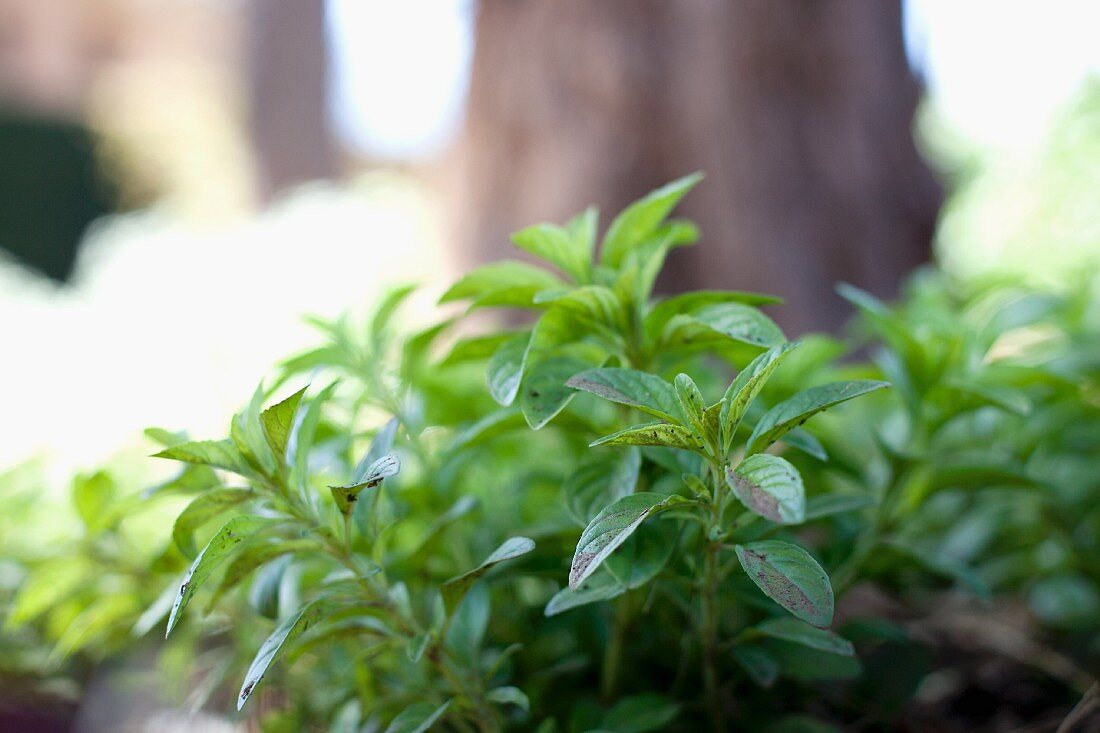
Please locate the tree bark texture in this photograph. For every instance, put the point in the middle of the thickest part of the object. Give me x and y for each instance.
(799, 112)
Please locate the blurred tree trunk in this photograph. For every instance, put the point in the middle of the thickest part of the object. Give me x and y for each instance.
(799, 112)
(287, 71)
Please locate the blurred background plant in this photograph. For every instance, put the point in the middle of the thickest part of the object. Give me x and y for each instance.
(231, 166)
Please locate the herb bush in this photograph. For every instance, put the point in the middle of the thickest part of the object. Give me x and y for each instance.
(623, 516)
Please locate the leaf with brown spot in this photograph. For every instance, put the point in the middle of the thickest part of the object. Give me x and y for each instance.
(289, 629)
(672, 436)
(221, 546)
(611, 528)
(791, 577)
(769, 486)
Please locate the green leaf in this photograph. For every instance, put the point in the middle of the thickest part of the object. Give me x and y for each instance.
(642, 557)
(47, 586)
(217, 453)
(664, 311)
(600, 479)
(583, 229)
(639, 220)
(256, 555)
(263, 595)
(769, 486)
(799, 632)
(641, 713)
(828, 505)
(301, 439)
(93, 495)
(417, 645)
(791, 413)
(506, 369)
(380, 445)
(594, 305)
(277, 422)
(646, 392)
(602, 587)
(558, 247)
(758, 664)
(382, 469)
(611, 528)
(417, 718)
(691, 402)
(224, 542)
(791, 577)
(734, 321)
(672, 436)
(200, 511)
(393, 299)
(508, 696)
(545, 392)
(286, 632)
(805, 442)
(506, 283)
(747, 385)
(455, 589)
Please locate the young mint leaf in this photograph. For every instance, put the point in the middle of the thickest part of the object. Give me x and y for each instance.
(507, 283)
(734, 321)
(673, 436)
(791, 413)
(455, 589)
(545, 390)
(200, 511)
(687, 303)
(769, 486)
(644, 391)
(216, 453)
(791, 577)
(600, 479)
(558, 247)
(285, 633)
(747, 385)
(385, 467)
(691, 402)
(277, 422)
(611, 528)
(221, 546)
(506, 369)
(602, 587)
(639, 220)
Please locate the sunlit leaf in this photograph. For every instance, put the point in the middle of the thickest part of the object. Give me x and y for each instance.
(221, 546)
(288, 629)
(277, 422)
(556, 246)
(200, 511)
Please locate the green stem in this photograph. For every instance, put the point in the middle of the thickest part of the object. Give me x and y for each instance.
(708, 630)
(613, 652)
